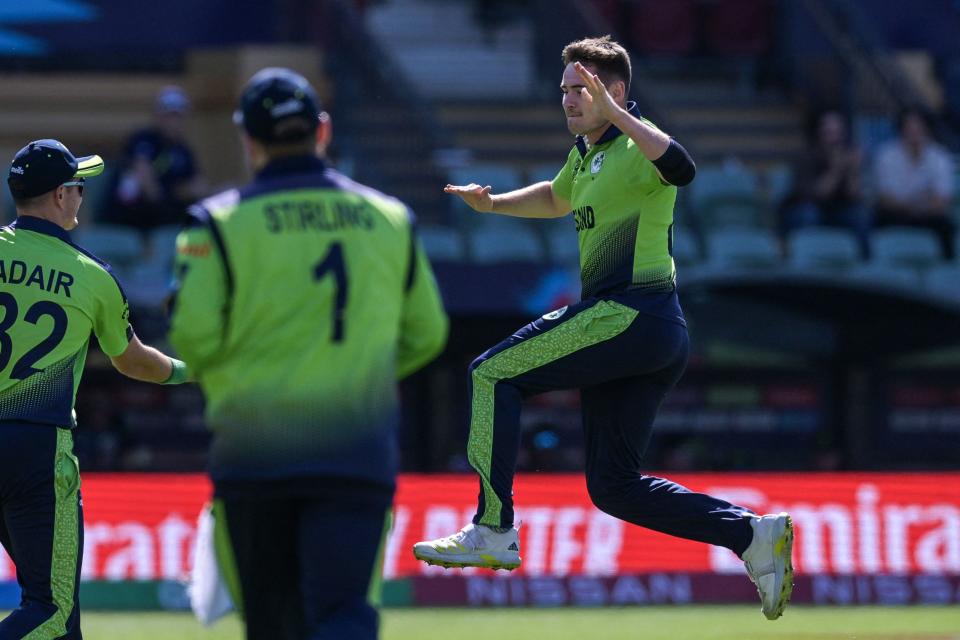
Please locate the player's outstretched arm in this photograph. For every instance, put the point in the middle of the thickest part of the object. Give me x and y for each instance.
(142, 362)
(535, 201)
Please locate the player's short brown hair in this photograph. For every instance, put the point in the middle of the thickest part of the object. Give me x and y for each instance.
(605, 53)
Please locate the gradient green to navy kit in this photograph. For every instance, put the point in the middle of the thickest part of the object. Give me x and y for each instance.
(301, 299)
(623, 215)
(53, 295)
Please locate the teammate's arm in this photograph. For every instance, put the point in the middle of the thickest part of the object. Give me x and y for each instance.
(142, 362)
(118, 341)
(424, 323)
(198, 305)
(535, 201)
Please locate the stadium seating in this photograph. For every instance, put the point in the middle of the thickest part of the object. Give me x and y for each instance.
(778, 180)
(543, 172)
(739, 27)
(561, 239)
(443, 244)
(882, 275)
(686, 247)
(163, 246)
(122, 247)
(821, 248)
(905, 246)
(492, 245)
(742, 249)
(664, 27)
(943, 281)
(724, 196)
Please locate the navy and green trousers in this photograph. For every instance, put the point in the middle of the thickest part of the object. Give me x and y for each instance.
(41, 528)
(303, 557)
(624, 352)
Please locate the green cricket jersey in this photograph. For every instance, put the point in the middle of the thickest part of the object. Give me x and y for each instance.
(53, 295)
(623, 213)
(301, 300)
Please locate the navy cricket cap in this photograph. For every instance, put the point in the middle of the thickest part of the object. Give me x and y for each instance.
(278, 105)
(43, 165)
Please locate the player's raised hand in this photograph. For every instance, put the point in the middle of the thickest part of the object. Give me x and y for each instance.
(477, 197)
(596, 91)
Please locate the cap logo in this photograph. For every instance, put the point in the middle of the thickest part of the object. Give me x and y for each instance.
(17, 170)
(286, 107)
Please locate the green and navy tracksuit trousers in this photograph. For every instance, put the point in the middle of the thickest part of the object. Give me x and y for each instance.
(41, 528)
(624, 352)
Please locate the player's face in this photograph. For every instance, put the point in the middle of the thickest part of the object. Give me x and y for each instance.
(72, 199)
(581, 113)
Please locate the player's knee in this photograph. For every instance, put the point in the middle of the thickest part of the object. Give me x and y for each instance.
(475, 364)
(603, 495)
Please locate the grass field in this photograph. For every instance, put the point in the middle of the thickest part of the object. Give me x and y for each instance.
(650, 623)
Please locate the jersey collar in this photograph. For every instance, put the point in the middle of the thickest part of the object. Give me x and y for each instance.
(292, 164)
(611, 132)
(39, 225)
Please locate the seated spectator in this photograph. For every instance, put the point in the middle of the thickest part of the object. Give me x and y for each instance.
(826, 183)
(158, 177)
(914, 180)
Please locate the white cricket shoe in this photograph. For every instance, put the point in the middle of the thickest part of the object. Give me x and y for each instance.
(769, 560)
(472, 546)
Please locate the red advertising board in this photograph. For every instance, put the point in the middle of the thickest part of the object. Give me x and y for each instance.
(142, 526)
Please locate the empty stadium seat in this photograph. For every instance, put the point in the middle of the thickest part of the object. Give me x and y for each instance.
(442, 243)
(742, 249)
(906, 246)
(561, 240)
(489, 245)
(884, 275)
(122, 247)
(724, 196)
(822, 248)
(686, 247)
(943, 281)
(778, 180)
(163, 245)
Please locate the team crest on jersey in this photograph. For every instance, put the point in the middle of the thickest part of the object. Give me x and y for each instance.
(553, 315)
(597, 163)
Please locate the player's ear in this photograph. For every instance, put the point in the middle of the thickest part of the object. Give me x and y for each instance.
(324, 132)
(618, 91)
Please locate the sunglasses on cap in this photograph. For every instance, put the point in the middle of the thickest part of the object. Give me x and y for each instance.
(75, 183)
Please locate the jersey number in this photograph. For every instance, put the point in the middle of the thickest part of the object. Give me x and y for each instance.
(23, 368)
(333, 263)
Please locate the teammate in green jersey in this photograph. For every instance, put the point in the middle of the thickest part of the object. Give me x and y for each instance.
(624, 345)
(302, 298)
(53, 295)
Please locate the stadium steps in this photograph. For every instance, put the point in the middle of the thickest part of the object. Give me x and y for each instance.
(399, 161)
(719, 115)
(99, 109)
(519, 135)
(443, 51)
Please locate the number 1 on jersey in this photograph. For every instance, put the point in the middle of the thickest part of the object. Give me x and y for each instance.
(333, 262)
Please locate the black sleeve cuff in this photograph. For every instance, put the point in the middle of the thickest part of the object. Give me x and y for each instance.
(675, 165)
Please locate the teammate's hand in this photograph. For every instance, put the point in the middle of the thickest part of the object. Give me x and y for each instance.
(596, 91)
(477, 197)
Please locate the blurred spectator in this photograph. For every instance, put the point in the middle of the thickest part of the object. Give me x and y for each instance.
(158, 176)
(914, 180)
(826, 184)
